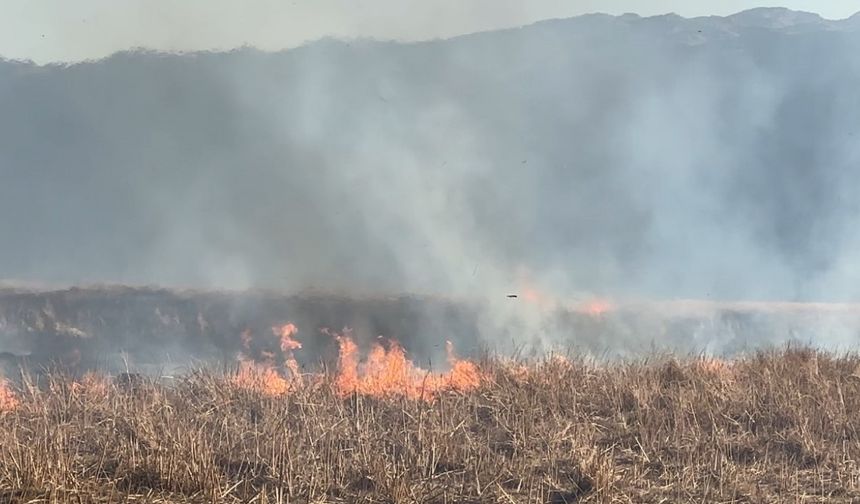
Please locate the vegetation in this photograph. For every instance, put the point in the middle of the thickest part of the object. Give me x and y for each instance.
(776, 426)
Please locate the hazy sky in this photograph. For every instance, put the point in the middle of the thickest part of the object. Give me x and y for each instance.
(63, 30)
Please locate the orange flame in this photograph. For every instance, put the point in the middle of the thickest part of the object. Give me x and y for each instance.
(596, 307)
(347, 366)
(8, 399)
(286, 332)
(91, 384)
(544, 299)
(262, 376)
(464, 375)
(534, 296)
(389, 373)
(716, 366)
(288, 344)
(386, 371)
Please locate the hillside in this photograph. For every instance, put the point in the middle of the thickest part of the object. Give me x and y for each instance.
(657, 156)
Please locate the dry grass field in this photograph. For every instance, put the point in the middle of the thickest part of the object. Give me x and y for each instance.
(773, 427)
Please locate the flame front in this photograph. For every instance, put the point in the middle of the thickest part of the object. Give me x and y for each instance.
(386, 372)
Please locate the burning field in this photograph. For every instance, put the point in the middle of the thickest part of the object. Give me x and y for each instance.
(777, 426)
(460, 253)
(264, 402)
(160, 331)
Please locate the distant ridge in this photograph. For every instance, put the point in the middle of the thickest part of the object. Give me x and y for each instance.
(655, 157)
(770, 18)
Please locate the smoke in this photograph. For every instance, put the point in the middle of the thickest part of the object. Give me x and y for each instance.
(620, 157)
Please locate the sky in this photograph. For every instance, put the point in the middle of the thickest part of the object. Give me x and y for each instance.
(47, 31)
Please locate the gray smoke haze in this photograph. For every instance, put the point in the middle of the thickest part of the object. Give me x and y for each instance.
(624, 157)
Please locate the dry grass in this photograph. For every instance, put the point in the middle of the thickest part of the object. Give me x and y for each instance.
(776, 427)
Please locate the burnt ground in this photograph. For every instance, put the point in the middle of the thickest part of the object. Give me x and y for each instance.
(107, 326)
(153, 329)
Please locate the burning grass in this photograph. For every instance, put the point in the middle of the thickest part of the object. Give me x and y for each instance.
(779, 426)
(385, 372)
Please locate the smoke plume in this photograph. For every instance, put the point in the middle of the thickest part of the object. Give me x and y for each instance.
(624, 158)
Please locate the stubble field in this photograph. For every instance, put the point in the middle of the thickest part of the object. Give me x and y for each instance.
(776, 426)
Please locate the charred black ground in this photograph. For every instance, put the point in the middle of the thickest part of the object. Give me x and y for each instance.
(154, 330)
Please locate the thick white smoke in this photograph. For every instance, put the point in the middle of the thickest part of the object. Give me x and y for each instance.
(622, 157)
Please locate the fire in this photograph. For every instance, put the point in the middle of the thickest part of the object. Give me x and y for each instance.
(464, 375)
(286, 332)
(532, 295)
(91, 384)
(715, 366)
(596, 307)
(8, 399)
(387, 372)
(288, 344)
(263, 376)
(546, 300)
(347, 366)
(519, 372)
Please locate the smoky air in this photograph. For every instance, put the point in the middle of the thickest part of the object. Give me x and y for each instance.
(515, 188)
